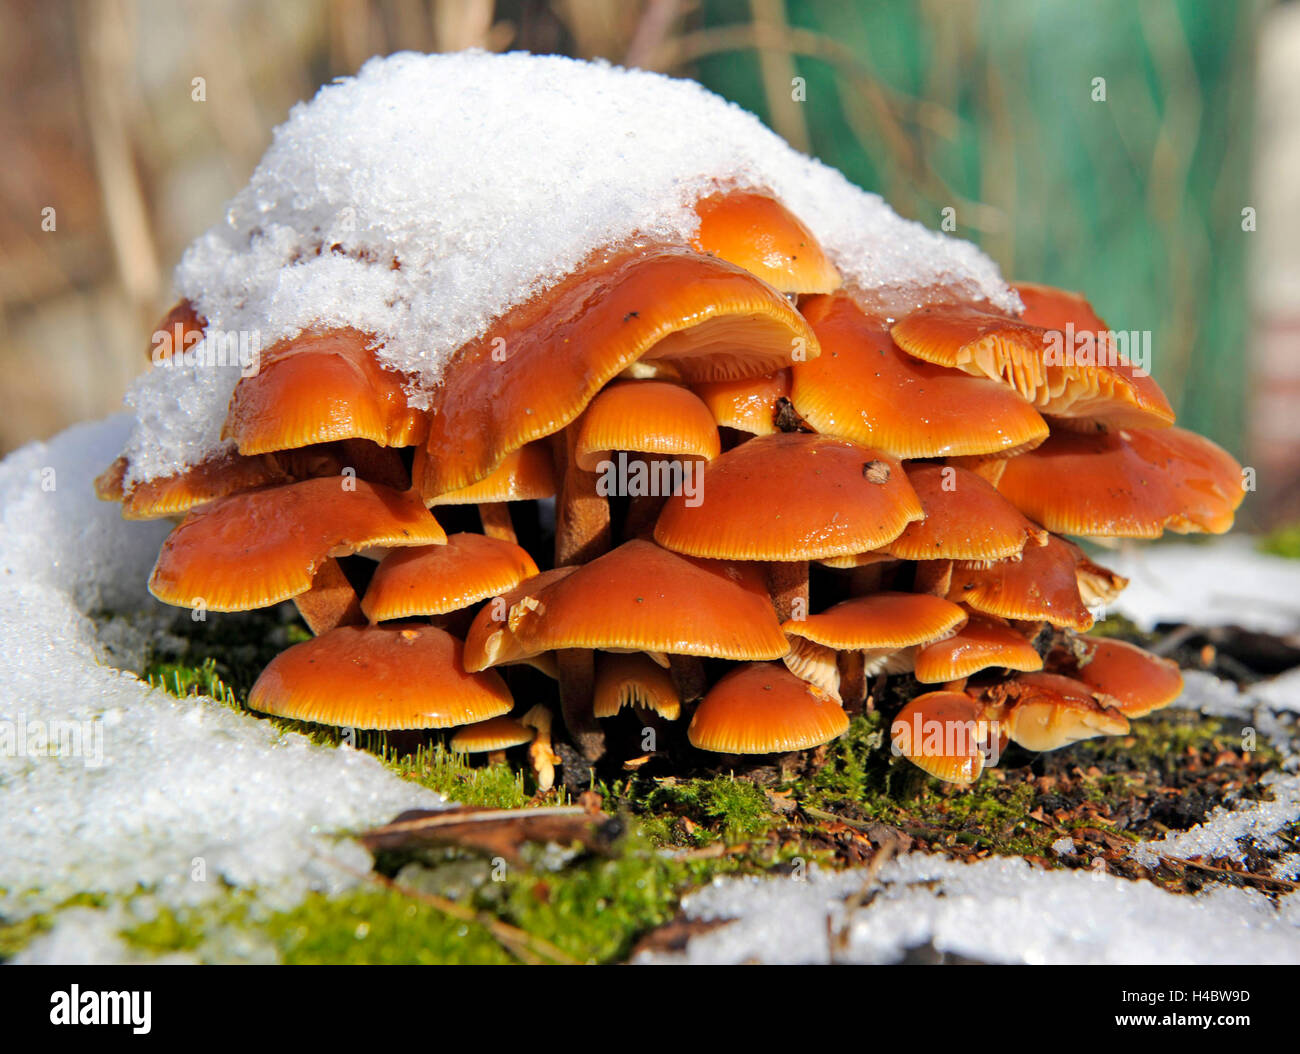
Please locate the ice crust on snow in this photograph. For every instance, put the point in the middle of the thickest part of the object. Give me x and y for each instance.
(1000, 911)
(487, 178)
(180, 779)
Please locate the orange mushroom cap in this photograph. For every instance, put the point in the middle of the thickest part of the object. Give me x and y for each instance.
(319, 387)
(525, 474)
(1036, 362)
(436, 579)
(489, 641)
(379, 677)
(985, 641)
(259, 547)
(496, 733)
(940, 733)
(1138, 681)
(1131, 483)
(748, 404)
(205, 482)
(637, 597)
(965, 519)
(791, 497)
(1045, 711)
(537, 369)
(634, 680)
(1052, 308)
(645, 417)
(1039, 584)
(880, 620)
(761, 708)
(863, 388)
(758, 233)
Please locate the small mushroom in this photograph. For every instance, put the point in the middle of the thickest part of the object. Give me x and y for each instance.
(525, 474)
(1046, 711)
(318, 387)
(540, 755)
(492, 737)
(758, 233)
(379, 677)
(985, 641)
(862, 387)
(437, 579)
(767, 499)
(258, 547)
(1099, 388)
(965, 519)
(634, 680)
(750, 404)
(880, 628)
(1039, 584)
(942, 733)
(762, 708)
(1138, 681)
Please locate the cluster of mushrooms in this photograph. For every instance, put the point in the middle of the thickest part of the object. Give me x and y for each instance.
(881, 486)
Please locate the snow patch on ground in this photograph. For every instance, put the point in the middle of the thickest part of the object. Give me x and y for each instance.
(1221, 834)
(1000, 911)
(1174, 583)
(159, 790)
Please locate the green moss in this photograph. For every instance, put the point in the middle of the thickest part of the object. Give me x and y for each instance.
(16, 935)
(1285, 541)
(719, 807)
(455, 776)
(169, 931)
(379, 926)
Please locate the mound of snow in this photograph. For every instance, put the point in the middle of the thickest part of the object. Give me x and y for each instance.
(424, 197)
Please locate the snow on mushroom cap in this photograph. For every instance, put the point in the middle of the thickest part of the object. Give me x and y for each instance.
(485, 179)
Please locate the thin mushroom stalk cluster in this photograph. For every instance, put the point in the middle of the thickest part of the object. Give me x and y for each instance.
(719, 480)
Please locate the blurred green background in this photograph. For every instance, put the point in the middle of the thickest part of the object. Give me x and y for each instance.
(993, 109)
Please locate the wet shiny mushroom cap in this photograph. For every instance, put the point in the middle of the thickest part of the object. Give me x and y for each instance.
(762, 708)
(694, 316)
(436, 579)
(638, 597)
(379, 677)
(756, 232)
(965, 519)
(862, 387)
(259, 547)
(790, 497)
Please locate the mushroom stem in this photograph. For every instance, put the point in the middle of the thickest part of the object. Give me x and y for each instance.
(853, 680)
(331, 601)
(496, 757)
(496, 520)
(577, 689)
(375, 463)
(641, 515)
(933, 577)
(864, 580)
(540, 754)
(688, 676)
(582, 530)
(787, 582)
